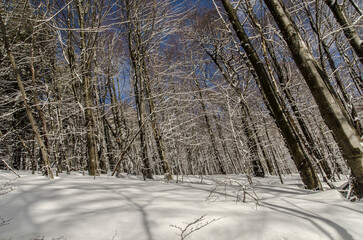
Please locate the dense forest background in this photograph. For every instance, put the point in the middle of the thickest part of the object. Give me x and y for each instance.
(183, 87)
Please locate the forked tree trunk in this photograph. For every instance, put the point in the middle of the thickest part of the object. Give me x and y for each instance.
(140, 106)
(330, 108)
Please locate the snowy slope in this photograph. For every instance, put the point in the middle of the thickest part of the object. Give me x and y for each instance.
(81, 207)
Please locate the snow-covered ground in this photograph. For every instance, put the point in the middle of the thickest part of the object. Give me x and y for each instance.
(82, 207)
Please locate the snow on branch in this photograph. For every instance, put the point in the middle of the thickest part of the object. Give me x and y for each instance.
(194, 226)
(242, 194)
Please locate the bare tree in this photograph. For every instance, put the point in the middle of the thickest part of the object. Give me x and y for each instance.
(299, 155)
(350, 32)
(332, 111)
(33, 123)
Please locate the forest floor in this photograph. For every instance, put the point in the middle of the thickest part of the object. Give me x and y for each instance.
(76, 207)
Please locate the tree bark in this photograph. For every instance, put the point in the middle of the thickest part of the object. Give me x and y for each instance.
(349, 106)
(33, 123)
(332, 112)
(349, 31)
(302, 161)
(156, 131)
(249, 128)
(88, 99)
(209, 130)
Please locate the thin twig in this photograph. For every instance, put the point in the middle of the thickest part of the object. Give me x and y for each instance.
(7, 165)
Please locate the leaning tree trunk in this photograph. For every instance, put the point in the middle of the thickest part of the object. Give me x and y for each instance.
(348, 29)
(301, 159)
(257, 168)
(158, 135)
(267, 50)
(33, 123)
(354, 118)
(311, 145)
(249, 128)
(331, 110)
(221, 167)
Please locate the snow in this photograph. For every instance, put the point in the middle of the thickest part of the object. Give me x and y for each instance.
(82, 207)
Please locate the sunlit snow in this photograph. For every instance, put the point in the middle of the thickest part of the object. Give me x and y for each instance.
(82, 207)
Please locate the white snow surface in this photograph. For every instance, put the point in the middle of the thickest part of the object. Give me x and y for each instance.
(128, 208)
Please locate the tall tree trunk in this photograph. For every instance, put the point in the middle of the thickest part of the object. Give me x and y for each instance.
(249, 128)
(302, 161)
(87, 91)
(267, 49)
(43, 130)
(33, 123)
(251, 141)
(332, 112)
(349, 106)
(272, 152)
(224, 145)
(103, 163)
(212, 138)
(311, 146)
(156, 131)
(143, 144)
(348, 29)
(140, 105)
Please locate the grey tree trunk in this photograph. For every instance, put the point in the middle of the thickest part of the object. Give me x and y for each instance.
(221, 137)
(302, 161)
(209, 129)
(330, 108)
(311, 146)
(324, 48)
(87, 91)
(348, 29)
(140, 105)
(33, 123)
(157, 132)
(247, 121)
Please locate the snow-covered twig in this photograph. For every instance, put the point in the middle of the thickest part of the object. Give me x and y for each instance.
(7, 165)
(113, 238)
(43, 238)
(347, 190)
(194, 226)
(244, 190)
(4, 222)
(4, 189)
